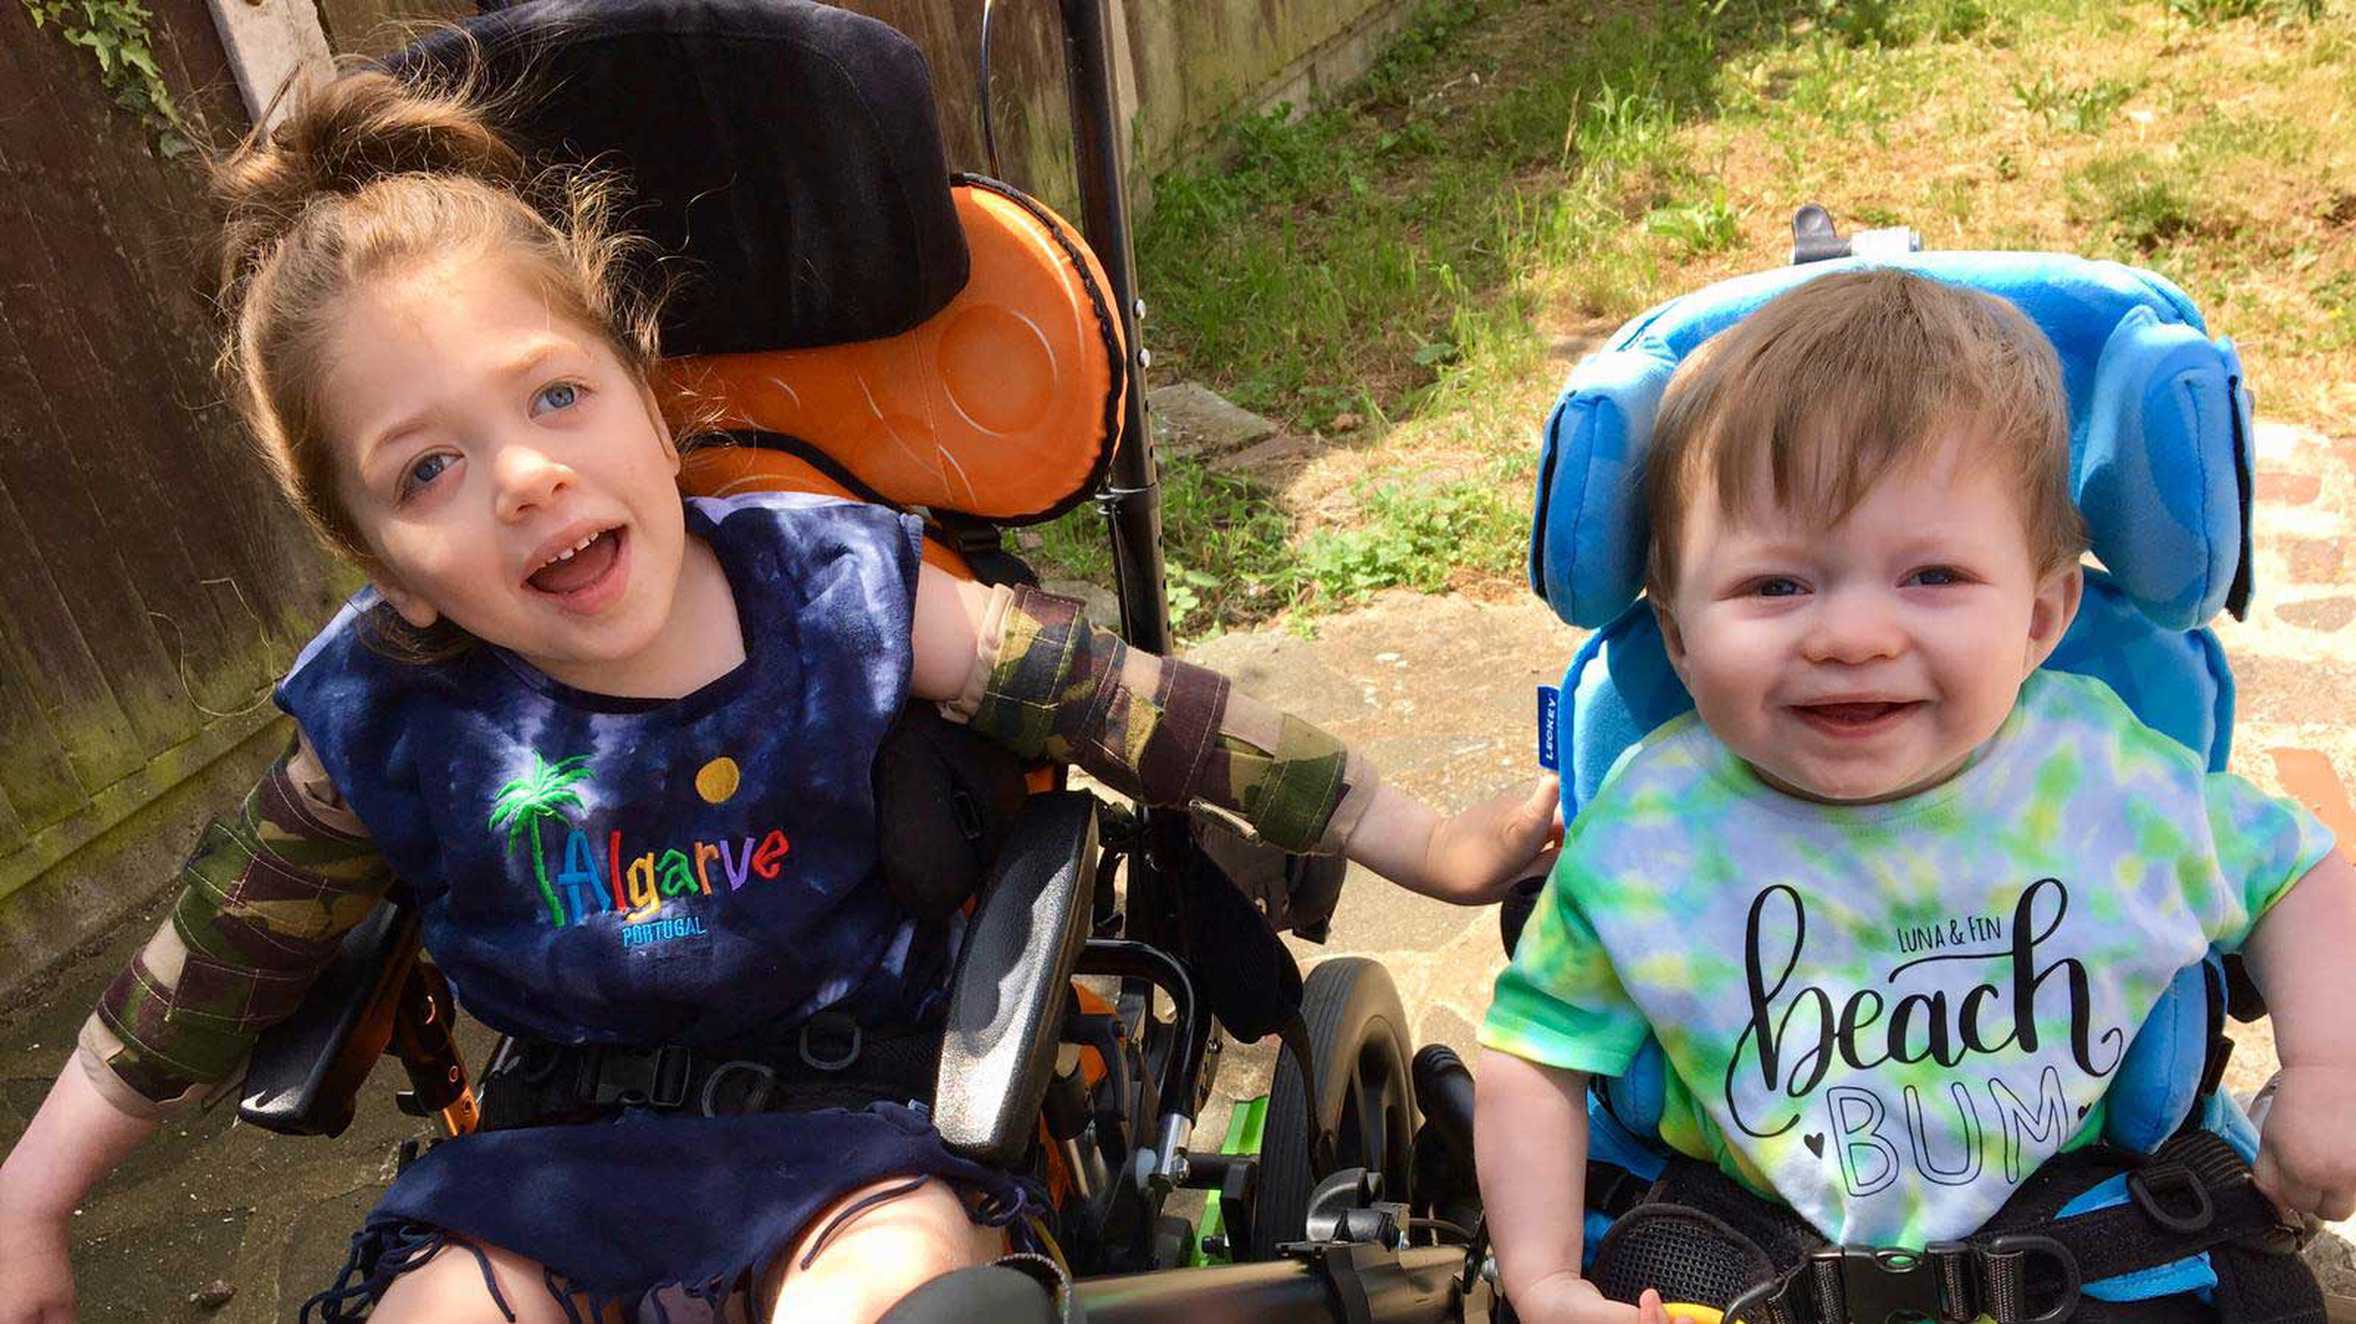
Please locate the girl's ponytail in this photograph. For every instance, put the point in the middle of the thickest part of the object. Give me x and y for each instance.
(347, 135)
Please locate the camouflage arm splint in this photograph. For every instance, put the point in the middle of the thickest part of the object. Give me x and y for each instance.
(265, 899)
(1048, 684)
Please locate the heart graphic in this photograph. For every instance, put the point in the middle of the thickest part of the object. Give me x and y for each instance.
(1814, 1140)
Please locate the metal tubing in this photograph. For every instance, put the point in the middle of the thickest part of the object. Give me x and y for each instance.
(1129, 501)
(1136, 960)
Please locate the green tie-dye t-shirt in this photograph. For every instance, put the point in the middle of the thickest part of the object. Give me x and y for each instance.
(1888, 1015)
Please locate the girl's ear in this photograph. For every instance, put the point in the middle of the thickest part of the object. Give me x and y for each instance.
(411, 608)
(2050, 614)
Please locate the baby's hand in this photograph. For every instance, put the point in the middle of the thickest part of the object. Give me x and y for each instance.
(1566, 1298)
(2307, 1149)
(1475, 856)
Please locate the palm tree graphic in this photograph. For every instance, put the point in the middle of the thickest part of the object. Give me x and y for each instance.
(522, 803)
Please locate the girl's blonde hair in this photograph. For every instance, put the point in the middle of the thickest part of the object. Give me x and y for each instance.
(1843, 380)
(369, 177)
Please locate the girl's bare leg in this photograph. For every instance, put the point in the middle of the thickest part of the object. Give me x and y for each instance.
(448, 1289)
(876, 1257)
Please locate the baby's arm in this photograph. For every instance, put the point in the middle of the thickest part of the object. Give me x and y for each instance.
(1530, 1150)
(1026, 669)
(2299, 956)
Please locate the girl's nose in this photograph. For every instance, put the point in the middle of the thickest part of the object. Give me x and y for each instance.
(528, 478)
(1851, 628)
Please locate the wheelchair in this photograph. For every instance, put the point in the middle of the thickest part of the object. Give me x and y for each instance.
(2157, 1219)
(945, 344)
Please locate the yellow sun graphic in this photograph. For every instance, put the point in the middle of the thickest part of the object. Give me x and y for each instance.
(717, 780)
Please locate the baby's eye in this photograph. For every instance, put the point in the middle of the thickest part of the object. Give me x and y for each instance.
(1936, 576)
(1776, 586)
(555, 396)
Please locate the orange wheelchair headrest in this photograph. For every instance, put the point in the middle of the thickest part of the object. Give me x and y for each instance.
(1005, 404)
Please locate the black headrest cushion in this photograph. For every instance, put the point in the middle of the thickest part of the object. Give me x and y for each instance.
(788, 150)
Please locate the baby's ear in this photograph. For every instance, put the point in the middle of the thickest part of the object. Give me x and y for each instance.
(2050, 614)
(1672, 639)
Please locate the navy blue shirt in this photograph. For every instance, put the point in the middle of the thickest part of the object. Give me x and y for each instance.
(696, 870)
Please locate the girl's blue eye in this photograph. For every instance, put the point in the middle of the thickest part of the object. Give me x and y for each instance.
(556, 395)
(1937, 576)
(427, 469)
(1776, 586)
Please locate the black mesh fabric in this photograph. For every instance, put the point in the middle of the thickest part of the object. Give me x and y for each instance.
(779, 146)
(1686, 1254)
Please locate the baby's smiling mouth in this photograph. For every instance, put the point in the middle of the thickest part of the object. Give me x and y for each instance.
(579, 566)
(1854, 717)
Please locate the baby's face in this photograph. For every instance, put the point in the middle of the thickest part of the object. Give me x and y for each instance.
(1867, 660)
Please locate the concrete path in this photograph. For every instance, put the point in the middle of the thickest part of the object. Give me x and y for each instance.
(1439, 690)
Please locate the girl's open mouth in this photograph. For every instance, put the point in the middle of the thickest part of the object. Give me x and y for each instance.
(581, 576)
(1853, 719)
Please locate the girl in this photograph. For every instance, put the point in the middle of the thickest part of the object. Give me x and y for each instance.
(617, 748)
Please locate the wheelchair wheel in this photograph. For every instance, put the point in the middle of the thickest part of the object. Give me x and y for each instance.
(1358, 1038)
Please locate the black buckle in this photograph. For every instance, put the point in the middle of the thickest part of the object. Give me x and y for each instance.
(1884, 1284)
(828, 1021)
(635, 1079)
(2008, 1254)
(762, 1076)
(2147, 1184)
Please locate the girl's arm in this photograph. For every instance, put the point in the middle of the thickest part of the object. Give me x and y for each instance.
(75, 1139)
(1530, 1151)
(2298, 954)
(1029, 670)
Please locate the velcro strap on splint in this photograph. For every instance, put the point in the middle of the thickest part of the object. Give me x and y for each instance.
(2159, 426)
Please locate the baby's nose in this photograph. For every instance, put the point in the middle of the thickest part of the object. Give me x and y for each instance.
(1850, 628)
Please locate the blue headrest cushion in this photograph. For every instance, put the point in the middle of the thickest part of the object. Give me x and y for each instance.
(2159, 424)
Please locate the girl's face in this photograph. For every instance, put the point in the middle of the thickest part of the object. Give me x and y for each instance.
(508, 471)
(1865, 661)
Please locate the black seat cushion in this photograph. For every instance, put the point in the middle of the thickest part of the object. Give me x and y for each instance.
(786, 149)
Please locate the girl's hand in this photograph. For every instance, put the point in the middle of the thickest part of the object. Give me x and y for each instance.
(2307, 1147)
(1566, 1298)
(36, 1275)
(1473, 858)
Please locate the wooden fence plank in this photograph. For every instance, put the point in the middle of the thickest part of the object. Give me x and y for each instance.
(65, 402)
(174, 483)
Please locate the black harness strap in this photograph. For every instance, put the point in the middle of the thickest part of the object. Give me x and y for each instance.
(1696, 1232)
(832, 1062)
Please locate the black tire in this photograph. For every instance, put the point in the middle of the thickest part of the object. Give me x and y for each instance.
(1358, 1038)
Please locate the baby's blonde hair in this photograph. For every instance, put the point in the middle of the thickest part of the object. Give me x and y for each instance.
(1847, 378)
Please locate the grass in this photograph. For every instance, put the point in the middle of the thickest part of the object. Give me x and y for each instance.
(1430, 251)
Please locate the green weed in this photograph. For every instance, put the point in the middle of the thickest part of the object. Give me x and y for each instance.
(2202, 13)
(2141, 201)
(1699, 227)
(1410, 538)
(2086, 109)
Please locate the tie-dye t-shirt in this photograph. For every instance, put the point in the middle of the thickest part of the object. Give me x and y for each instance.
(698, 870)
(1888, 1015)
